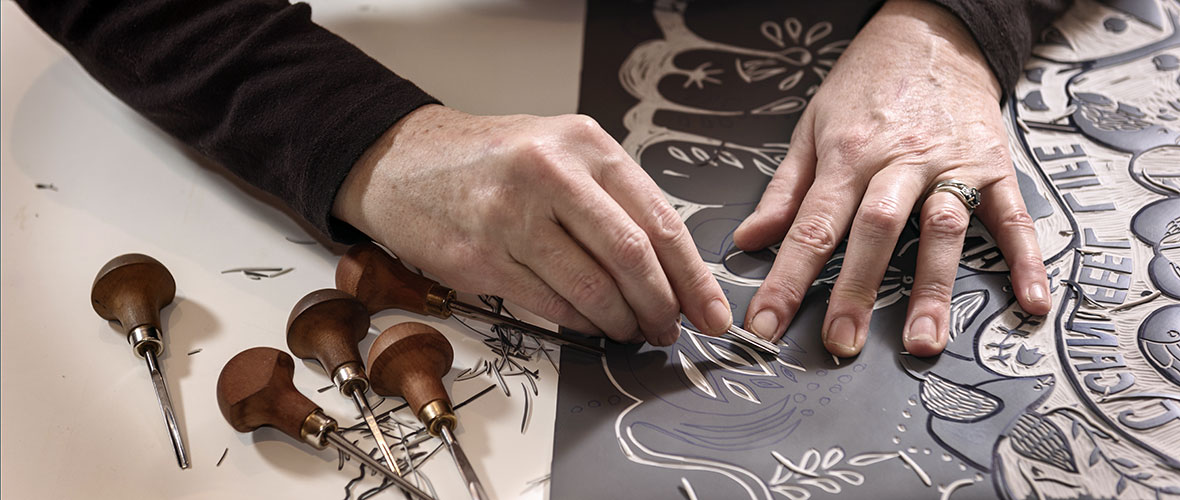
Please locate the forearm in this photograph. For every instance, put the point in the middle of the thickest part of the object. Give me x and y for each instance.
(255, 85)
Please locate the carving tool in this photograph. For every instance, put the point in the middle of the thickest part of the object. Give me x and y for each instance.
(131, 289)
(255, 389)
(381, 282)
(749, 338)
(408, 360)
(326, 325)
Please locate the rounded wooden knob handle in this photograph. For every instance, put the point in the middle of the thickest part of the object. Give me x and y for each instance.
(381, 282)
(409, 360)
(255, 388)
(131, 289)
(326, 325)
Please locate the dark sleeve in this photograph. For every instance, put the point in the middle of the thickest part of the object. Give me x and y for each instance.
(1006, 29)
(253, 84)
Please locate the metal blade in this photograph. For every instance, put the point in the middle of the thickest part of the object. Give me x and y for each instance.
(470, 480)
(343, 444)
(166, 407)
(362, 404)
(749, 338)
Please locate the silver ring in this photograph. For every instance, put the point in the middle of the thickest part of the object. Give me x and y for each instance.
(966, 194)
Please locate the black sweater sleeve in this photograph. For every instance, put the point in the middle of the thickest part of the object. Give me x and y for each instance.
(253, 84)
(1006, 29)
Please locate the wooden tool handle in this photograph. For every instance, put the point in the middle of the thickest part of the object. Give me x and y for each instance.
(256, 389)
(131, 289)
(409, 360)
(326, 325)
(381, 282)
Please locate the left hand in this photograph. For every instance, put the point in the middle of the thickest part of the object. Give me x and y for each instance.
(910, 103)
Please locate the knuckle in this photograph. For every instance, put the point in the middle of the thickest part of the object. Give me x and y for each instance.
(534, 159)
(813, 234)
(996, 153)
(554, 307)
(590, 289)
(666, 226)
(580, 126)
(856, 293)
(934, 291)
(1017, 218)
(779, 295)
(917, 144)
(883, 215)
(659, 315)
(852, 145)
(631, 250)
(946, 221)
(1028, 261)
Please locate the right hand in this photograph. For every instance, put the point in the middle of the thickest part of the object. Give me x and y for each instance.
(549, 213)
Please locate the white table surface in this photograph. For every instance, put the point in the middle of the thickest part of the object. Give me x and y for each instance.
(79, 419)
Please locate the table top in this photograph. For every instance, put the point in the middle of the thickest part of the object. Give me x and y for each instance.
(85, 178)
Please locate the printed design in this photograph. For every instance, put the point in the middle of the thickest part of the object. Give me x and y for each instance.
(1084, 402)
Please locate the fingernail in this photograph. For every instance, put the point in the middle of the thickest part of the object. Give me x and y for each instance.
(842, 334)
(765, 324)
(718, 317)
(922, 331)
(1037, 293)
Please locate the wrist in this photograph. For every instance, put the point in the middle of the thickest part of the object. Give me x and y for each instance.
(362, 183)
(940, 36)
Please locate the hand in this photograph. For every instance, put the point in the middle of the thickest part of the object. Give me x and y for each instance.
(549, 213)
(910, 103)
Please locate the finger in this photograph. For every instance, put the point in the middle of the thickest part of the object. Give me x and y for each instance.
(523, 287)
(881, 217)
(564, 266)
(824, 217)
(697, 292)
(942, 226)
(780, 201)
(599, 225)
(1002, 210)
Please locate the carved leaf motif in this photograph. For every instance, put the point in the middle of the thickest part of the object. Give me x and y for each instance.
(964, 308)
(810, 461)
(817, 32)
(1125, 463)
(789, 82)
(865, 459)
(741, 391)
(823, 483)
(1039, 439)
(792, 492)
(694, 375)
(794, 28)
(781, 475)
(772, 32)
(836, 47)
(955, 402)
(850, 477)
(832, 457)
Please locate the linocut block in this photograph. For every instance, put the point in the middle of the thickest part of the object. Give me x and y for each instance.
(1082, 403)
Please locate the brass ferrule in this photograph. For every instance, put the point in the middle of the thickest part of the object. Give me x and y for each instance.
(437, 301)
(145, 337)
(436, 414)
(350, 376)
(316, 427)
